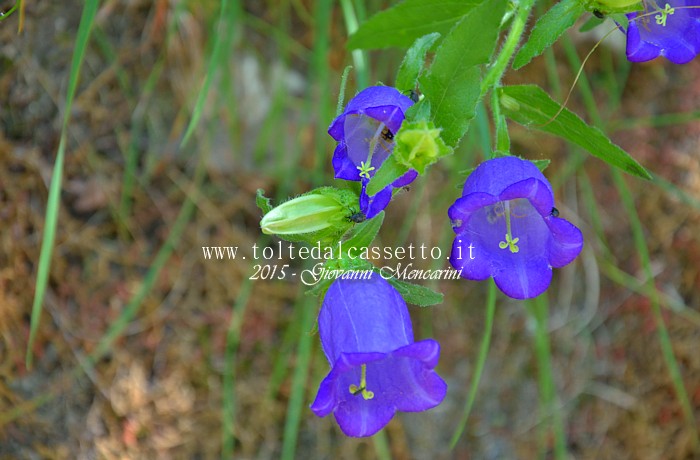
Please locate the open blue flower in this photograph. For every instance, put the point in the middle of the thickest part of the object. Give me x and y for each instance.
(507, 228)
(365, 133)
(377, 368)
(665, 28)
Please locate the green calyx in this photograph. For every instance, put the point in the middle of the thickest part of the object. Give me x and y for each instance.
(418, 145)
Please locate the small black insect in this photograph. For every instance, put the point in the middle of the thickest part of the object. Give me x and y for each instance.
(387, 135)
(357, 217)
(555, 212)
(598, 14)
(358, 391)
(414, 95)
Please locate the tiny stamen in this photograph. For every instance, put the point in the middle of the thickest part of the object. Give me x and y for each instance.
(362, 389)
(365, 169)
(661, 18)
(510, 242)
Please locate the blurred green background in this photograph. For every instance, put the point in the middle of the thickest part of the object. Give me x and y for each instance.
(145, 349)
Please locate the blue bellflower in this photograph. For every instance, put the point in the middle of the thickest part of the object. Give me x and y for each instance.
(365, 133)
(507, 228)
(377, 368)
(665, 28)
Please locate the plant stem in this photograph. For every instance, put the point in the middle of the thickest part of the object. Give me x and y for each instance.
(495, 73)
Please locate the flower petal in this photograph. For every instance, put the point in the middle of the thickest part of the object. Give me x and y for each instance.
(527, 279)
(536, 191)
(363, 316)
(566, 243)
(362, 418)
(402, 380)
(677, 38)
(478, 268)
(373, 205)
(494, 176)
(329, 394)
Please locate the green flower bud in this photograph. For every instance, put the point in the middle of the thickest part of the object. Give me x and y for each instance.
(323, 214)
(418, 145)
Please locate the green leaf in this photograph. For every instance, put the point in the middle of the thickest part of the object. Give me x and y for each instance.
(531, 106)
(541, 164)
(362, 235)
(409, 20)
(549, 27)
(416, 294)
(53, 203)
(413, 62)
(262, 202)
(419, 111)
(453, 83)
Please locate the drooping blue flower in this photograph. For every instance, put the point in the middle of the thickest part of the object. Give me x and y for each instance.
(376, 367)
(665, 28)
(365, 133)
(507, 227)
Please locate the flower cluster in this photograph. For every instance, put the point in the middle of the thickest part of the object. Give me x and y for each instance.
(670, 29)
(377, 368)
(365, 134)
(508, 228)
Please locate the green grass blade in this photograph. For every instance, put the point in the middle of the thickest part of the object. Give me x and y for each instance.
(320, 71)
(548, 396)
(301, 372)
(664, 338)
(359, 57)
(480, 362)
(381, 446)
(53, 204)
(228, 17)
(233, 336)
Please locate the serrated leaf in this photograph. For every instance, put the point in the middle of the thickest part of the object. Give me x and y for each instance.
(541, 164)
(262, 202)
(452, 84)
(413, 62)
(362, 235)
(548, 29)
(531, 106)
(416, 294)
(400, 25)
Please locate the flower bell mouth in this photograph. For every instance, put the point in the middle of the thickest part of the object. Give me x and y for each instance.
(674, 31)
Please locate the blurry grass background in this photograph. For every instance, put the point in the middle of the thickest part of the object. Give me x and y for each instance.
(146, 350)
